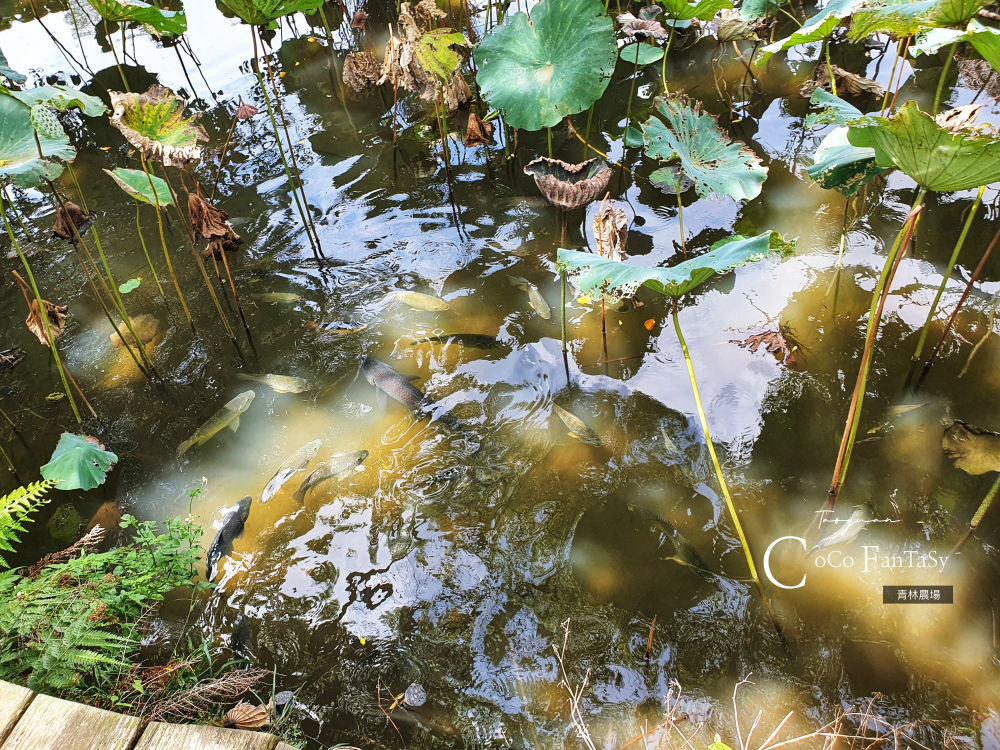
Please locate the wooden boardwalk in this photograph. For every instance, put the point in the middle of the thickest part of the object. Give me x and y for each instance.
(29, 721)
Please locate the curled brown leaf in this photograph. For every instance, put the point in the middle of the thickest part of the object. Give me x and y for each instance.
(848, 82)
(611, 231)
(246, 716)
(358, 20)
(361, 70)
(478, 131)
(69, 217)
(57, 320)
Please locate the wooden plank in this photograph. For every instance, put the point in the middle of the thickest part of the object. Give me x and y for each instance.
(14, 699)
(283, 746)
(54, 724)
(189, 737)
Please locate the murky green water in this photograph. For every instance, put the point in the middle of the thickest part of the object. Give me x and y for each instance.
(462, 585)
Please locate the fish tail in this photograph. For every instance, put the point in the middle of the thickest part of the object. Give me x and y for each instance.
(183, 447)
(518, 282)
(300, 495)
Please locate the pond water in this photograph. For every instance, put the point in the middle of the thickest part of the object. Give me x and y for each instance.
(418, 568)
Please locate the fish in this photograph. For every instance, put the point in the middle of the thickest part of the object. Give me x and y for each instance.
(286, 298)
(416, 300)
(338, 328)
(293, 465)
(685, 553)
(227, 416)
(481, 475)
(901, 409)
(388, 382)
(973, 449)
(241, 640)
(469, 340)
(847, 530)
(535, 298)
(576, 426)
(230, 531)
(278, 383)
(338, 466)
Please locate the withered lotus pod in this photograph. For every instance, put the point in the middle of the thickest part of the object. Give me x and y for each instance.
(57, 320)
(155, 124)
(478, 131)
(569, 186)
(245, 716)
(361, 70)
(611, 231)
(212, 224)
(69, 216)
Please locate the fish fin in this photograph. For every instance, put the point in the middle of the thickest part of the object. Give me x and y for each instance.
(517, 281)
(532, 306)
(412, 378)
(572, 435)
(380, 397)
(240, 535)
(235, 424)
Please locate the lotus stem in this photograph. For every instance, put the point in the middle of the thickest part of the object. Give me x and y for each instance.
(944, 74)
(163, 241)
(666, 51)
(115, 296)
(829, 67)
(899, 80)
(444, 142)
(562, 276)
(115, 53)
(197, 256)
(947, 273)
(604, 330)
(879, 295)
(17, 214)
(6, 459)
(892, 74)
(145, 251)
(306, 215)
(222, 157)
(680, 214)
(587, 144)
(548, 137)
(631, 91)
(586, 137)
(974, 523)
(718, 470)
(326, 24)
(43, 314)
(954, 314)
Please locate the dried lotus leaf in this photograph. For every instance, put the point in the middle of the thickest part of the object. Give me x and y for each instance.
(57, 320)
(246, 716)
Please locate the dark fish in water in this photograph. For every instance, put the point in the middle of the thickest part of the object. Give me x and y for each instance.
(241, 639)
(973, 449)
(535, 298)
(337, 466)
(468, 340)
(388, 382)
(685, 553)
(230, 531)
(482, 475)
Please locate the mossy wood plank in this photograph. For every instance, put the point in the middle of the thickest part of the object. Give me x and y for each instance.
(189, 737)
(14, 699)
(54, 724)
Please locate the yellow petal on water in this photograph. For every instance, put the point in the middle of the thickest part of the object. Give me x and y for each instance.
(312, 39)
(105, 148)
(297, 62)
(649, 324)
(583, 300)
(281, 74)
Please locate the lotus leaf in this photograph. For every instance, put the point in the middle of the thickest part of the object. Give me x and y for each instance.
(817, 28)
(78, 463)
(435, 54)
(154, 123)
(129, 286)
(984, 39)
(909, 18)
(62, 99)
(267, 12)
(646, 53)
(8, 72)
(843, 167)
(556, 64)
(751, 10)
(599, 276)
(703, 10)
(136, 183)
(157, 22)
(707, 156)
(834, 110)
(932, 156)
(19, 159)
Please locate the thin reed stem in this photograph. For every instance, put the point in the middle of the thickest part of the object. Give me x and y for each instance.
(163, 241)
(944, 74)
(974, 523)
(145, 250)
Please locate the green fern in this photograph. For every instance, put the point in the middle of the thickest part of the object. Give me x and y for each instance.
(15, 509)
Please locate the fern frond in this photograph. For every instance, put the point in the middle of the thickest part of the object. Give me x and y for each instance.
(15, 509)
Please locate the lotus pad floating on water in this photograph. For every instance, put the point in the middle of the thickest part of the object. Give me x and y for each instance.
(569, 186)
(19, 159)
(154, 123)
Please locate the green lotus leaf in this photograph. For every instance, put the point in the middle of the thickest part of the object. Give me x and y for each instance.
(707, 156)
(817, 28)
(646, 53)
(78, 464)
(704, 10)
(751, 10)
(984, 39)
(907, 19)
(597, 275)
(19, 159)
(267, 12)
(842, 167)
(62, 99)
(832, 110)
(155, 124)
(933, 157)
(157, 22)
(9, 73)
(556, 65)
(129, 286)
(136, 183)
(929, 42)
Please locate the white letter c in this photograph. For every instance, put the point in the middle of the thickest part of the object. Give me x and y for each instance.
(767, 563)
